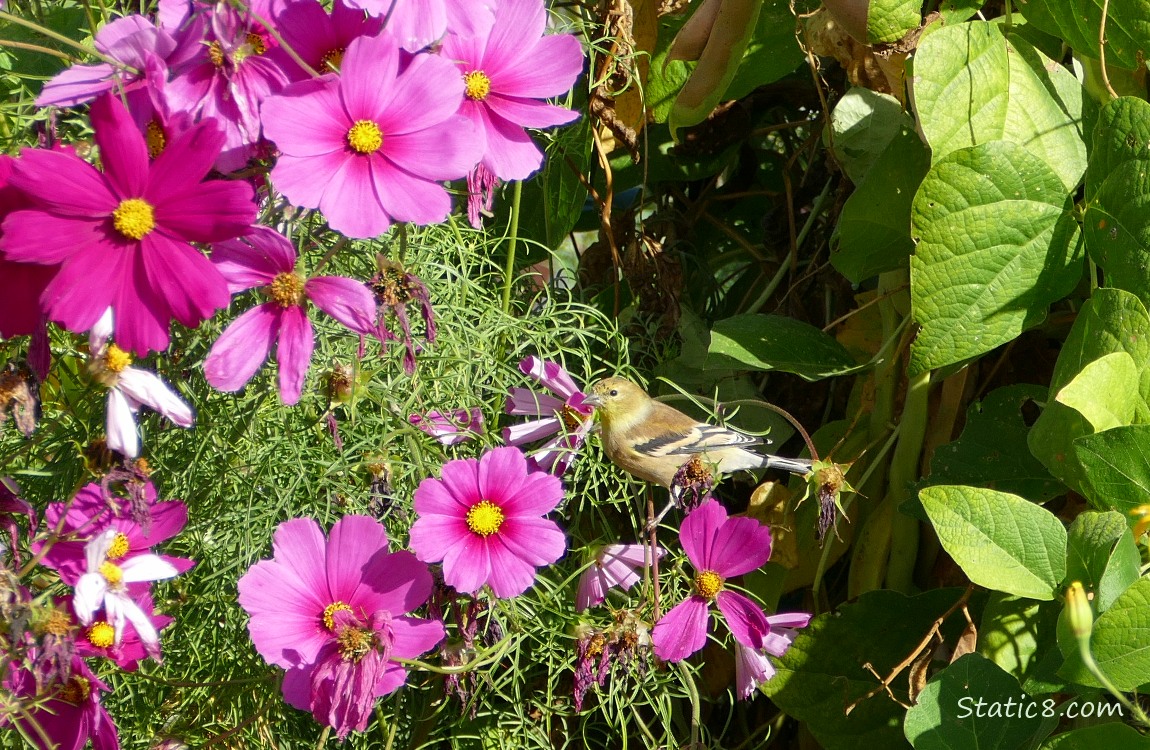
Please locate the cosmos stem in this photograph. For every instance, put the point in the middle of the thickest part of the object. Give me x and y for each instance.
(512, 243)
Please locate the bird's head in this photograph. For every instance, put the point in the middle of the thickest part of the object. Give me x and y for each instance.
(617, 399)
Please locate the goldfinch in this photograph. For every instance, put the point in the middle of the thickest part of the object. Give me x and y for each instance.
(650, 440)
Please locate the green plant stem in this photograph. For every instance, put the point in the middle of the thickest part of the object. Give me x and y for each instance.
(903, 472)
(696, 707)
(512, 243)
(43, 31)
(1088, 659)
(785, 268)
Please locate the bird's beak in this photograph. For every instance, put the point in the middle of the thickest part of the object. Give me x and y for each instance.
(592, 400)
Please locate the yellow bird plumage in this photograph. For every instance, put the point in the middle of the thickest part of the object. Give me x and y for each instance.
(650, 440)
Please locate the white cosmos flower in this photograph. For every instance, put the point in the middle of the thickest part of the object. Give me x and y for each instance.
(129, 388)
(105, 584)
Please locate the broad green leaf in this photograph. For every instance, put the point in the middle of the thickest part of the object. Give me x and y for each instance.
(1116, 224)
(1112, 736)
(552, 199)
(956, 11)
(822, 671)
(992, 450)
(1104, 392)
(964, 705)
(772, 53)
(996, 245)
(1121, 638)
(1116, 468)
(664, 79)
(1008, 633)
(1102, 555)
(863, 125)
(1000, 541)
(873, 233)
(774, 342)
(1078, 21)
(887, 21)
(973, 85)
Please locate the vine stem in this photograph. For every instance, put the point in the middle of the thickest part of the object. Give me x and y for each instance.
(1102, 50)
(696, 708)
(512, 243)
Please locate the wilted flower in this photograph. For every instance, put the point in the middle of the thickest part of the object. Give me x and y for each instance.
(752, 667)
(692, 484)
(624, 644)
(394, 290)
(614, 565)
(451, 429)
(483, 520)
(720, 548)
(19, 396)
(12, 505)
(566, 417)
(266, 259)
(129, 388)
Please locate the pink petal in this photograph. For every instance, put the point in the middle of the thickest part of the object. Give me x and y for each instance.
(285, 626)
(142, 315)
(190, 285)
(510, 152)
(293, 353)
(85, 287)
(529, 113)
(120, 425)
(698, 532)
(554, 64)
(427, 93)
(741, 545)
(24, 232)
(529, 432)
(307, 118)
(184, 162)
(446, 151)
(534, 495)
(500, 473)
(752, 668)
(76, 85)
(412, 637)
(242, 348)
(682, 631)
(304, 179)
(396, 581)
(347, 300)
(511, 574)
(467, 564)
(122, 148)
(790, 619)
(351, 202)
(62, 183)
(253, 263)
(211, 211)
(368, 75)
(745, 618)
(296, 686)
(433, 536)
(461, 478)
(527, 401)
(433, 498)
(299, 546)
(352, 542)
(536, 541)
(406, 197)
(149, 390)
(550, 374)
(592, 589)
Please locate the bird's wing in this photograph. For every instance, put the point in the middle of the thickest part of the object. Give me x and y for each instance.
(697, 438)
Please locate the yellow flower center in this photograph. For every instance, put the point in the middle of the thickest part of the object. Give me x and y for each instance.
(287, 289)
(155, 138)
(485, 518)
(708, 583)
(572, 419)
(216, 54)
(101, 634)
(364, 137)
(112, 573)
(58, 623)
(116, 359)
(329, 613)
(256, 43)
(355, 643)
(134, 218)
(331, 60)
(478, 85)
(76, 691)
(119, 548)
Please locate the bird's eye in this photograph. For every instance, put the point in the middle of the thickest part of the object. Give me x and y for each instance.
(614, 392)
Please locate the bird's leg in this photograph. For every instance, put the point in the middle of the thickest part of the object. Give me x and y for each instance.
(652, 539)
(653, 521)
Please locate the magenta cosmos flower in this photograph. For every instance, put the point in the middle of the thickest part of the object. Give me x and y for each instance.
(418, 23)
(720, 548)
(368, 147)
(752, 667)
(21, 284)
(614, 565)
(267, 260)
(566, 417)
(72, 717)
(122, 236)
(319, 37)
(99, 637)
(508, 70)
(483, 520)
(334, 613)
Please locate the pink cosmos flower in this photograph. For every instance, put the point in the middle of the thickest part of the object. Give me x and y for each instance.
(131, 41)
(483, 520)
(105, 586)
(99, 637)
(71, 718)
(508, 70)
(450, 429)
(88, 515)
(752, 667)
(334, 613)
(320, 38)
(266, 259)
(368, 147)
(566, 417)
(122, 236)
(129, 388)
(419, 23)
(21, 284)
(614, 565)
(720, 548)
(238, 64)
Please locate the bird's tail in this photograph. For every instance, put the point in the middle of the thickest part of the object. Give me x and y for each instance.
(793, 465)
